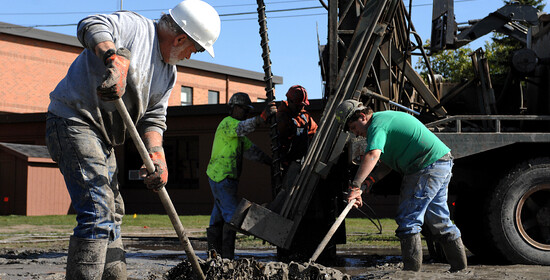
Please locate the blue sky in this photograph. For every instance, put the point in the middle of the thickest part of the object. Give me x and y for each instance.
(292, 34)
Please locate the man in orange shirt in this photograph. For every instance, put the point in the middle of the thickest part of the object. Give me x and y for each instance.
(296, 127)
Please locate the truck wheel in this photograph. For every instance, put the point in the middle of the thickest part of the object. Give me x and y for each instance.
(519, 213)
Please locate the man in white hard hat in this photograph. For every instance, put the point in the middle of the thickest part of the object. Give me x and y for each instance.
(131, 57)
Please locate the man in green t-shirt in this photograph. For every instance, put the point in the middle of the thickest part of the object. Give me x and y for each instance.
(398, 141)
(225, 166)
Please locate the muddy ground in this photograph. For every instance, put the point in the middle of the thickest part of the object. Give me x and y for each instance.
(152, 257)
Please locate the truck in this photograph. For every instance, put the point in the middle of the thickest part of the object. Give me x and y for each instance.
(502, 169)
(498, 134)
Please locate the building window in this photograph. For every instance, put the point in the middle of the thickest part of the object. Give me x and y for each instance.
(186, 96)
(213, 97)
(182, 158)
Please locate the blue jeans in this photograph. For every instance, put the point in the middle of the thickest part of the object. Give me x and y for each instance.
(225, 200)
(423, 199)
(89, 168)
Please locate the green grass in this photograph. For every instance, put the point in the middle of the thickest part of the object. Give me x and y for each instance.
(354, 226)
(151, 221)
(13, 220)
(360, 232)
(162, 221)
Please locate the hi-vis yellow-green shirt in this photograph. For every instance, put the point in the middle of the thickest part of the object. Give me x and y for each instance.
(227, 151)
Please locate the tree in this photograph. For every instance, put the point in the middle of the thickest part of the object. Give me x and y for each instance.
(539, 4)
(455, 65)
(503, 47)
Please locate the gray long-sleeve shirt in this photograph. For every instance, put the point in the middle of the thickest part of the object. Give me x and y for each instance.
(149, 80)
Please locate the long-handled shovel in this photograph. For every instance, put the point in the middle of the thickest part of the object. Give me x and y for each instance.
(163, 194)
(331, 231)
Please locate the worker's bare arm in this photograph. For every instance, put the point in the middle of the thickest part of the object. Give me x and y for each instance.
(159, 178)
(103, 47)
(367, 165)
(152, 139)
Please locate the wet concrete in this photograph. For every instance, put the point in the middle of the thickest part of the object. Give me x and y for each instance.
(150, 261)
(249, 268)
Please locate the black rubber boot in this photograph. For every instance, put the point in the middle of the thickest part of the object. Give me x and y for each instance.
(86, 258)
(411, 250)
(214, 235)
(115, 262)
(228, 243)
(455, 253)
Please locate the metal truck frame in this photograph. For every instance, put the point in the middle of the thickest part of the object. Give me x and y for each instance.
(502, 163)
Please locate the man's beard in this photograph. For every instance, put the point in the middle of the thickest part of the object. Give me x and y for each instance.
(173, 58)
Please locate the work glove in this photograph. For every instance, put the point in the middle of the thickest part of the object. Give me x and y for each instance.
(269, 110)
(114, 79)
(158, 179)
(367, 184)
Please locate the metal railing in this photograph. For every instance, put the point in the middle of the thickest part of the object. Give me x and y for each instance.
(497, 127)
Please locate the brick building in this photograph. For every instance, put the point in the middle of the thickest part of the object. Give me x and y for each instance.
(187, 142)
(34, 61)
(31, 182)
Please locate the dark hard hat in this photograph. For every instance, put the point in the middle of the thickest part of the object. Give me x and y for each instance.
(240, 98)
(346, 109)
(297, 94)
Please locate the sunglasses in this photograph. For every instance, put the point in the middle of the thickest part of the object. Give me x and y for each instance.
(198, 47)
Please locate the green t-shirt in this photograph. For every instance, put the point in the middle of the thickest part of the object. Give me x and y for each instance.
(227, 151)
(407, 145)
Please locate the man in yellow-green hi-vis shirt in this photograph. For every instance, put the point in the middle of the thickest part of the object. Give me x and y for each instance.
(225, 166)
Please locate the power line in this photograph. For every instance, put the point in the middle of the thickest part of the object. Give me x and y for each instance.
(144, 10)
(157, 10)
(457, 1)
(224, 20)
(273, 11)
(47, 25)
(221, 15)
(268, 3)
(305, 15)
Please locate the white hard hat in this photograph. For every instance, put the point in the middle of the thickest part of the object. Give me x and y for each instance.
(200, 21)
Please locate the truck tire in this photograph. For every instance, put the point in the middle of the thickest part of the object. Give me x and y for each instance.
(519, 213)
